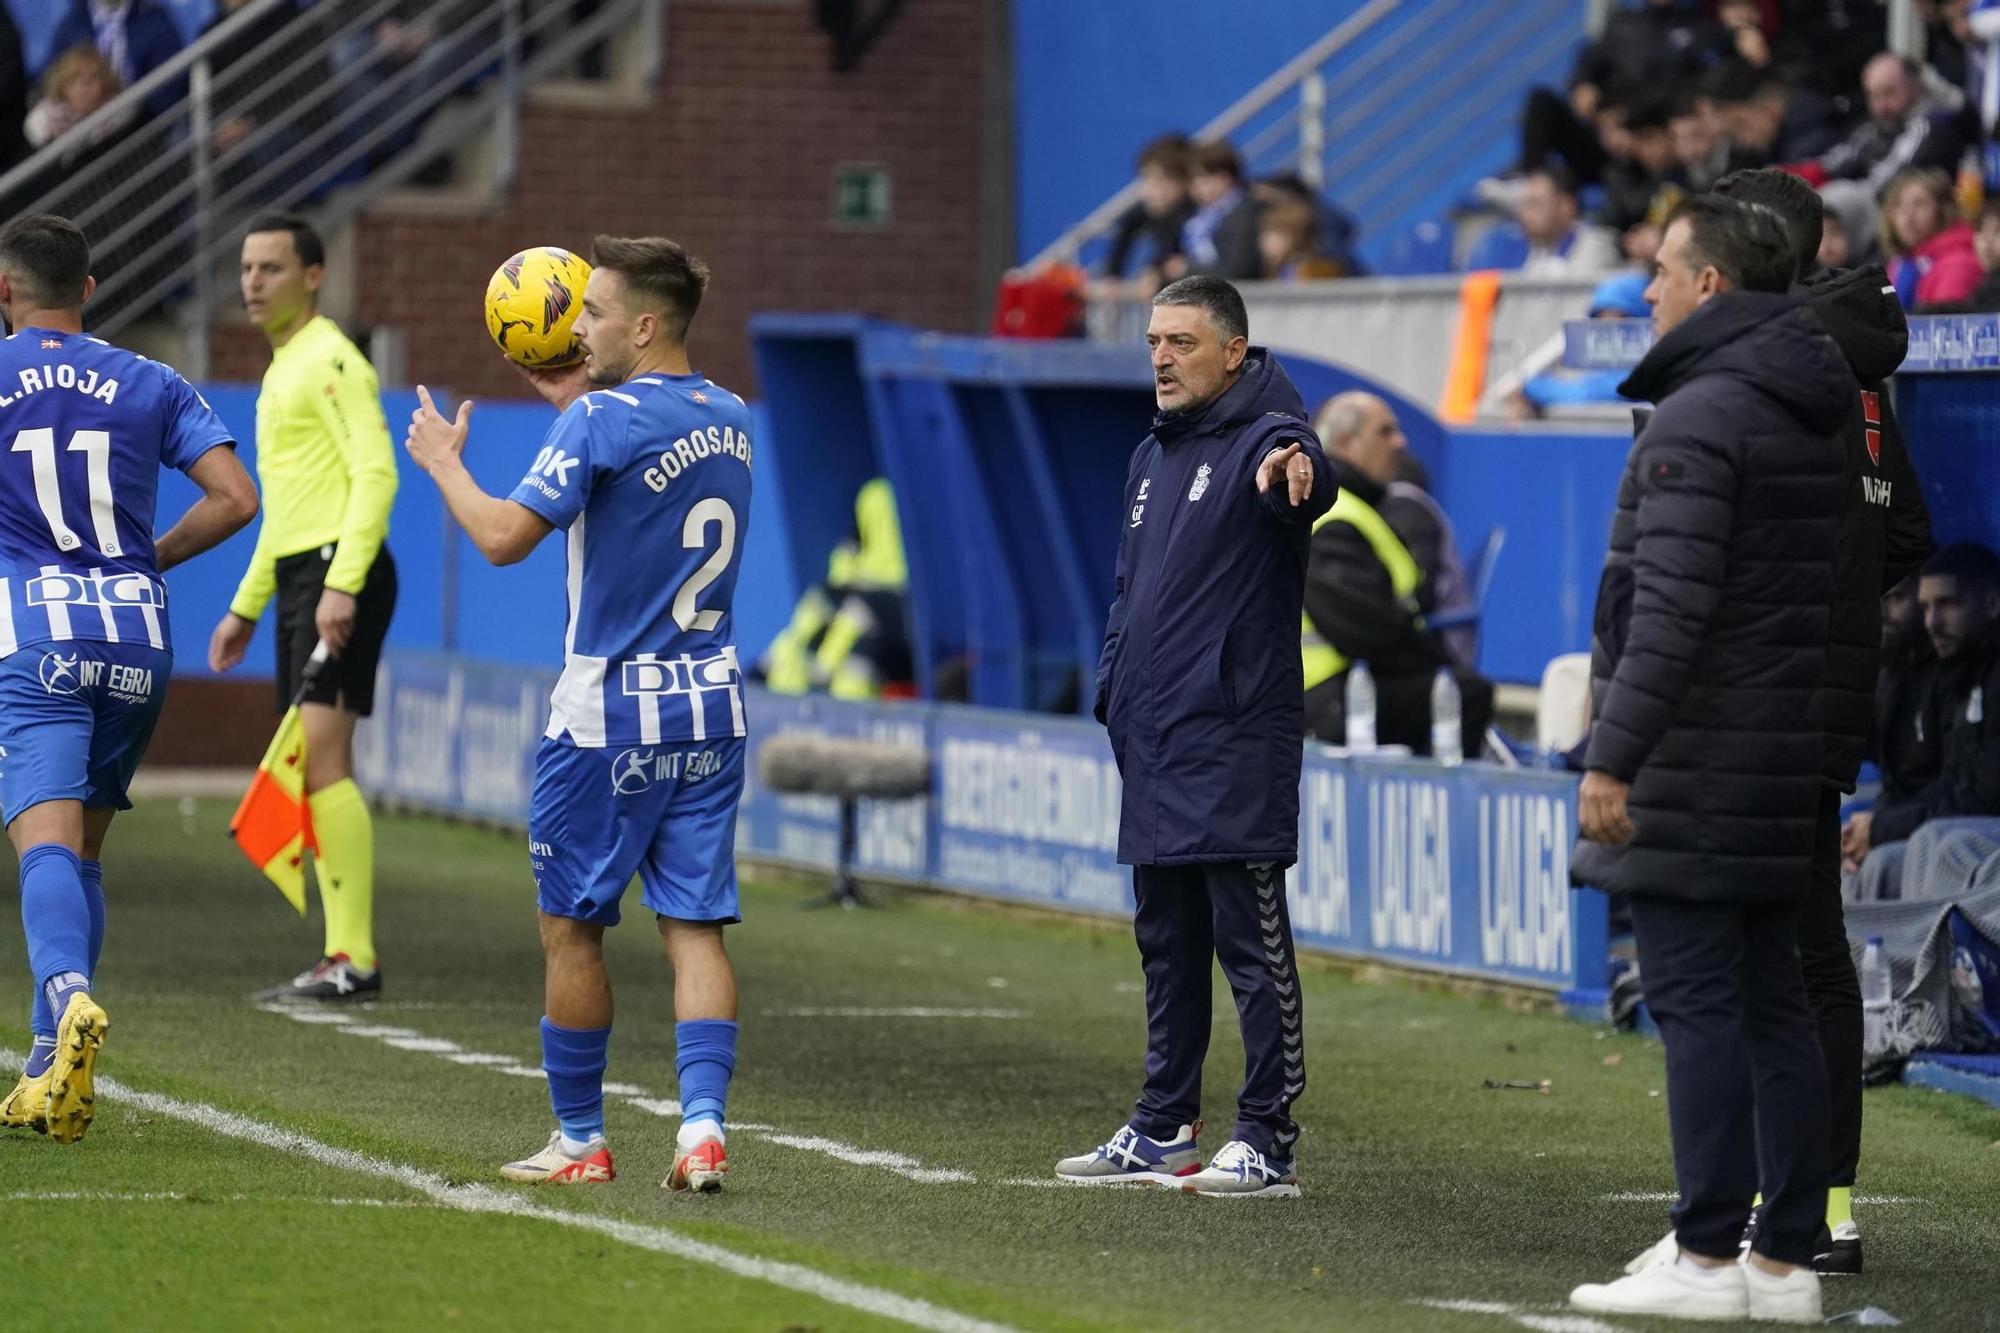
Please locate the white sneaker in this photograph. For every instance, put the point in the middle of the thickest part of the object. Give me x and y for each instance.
(1664, 1251)
(1672, 1291)
(1791, 1299)
(553, 1166)
(1239, 1171)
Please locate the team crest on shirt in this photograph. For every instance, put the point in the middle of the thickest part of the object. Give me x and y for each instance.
(1200, 487)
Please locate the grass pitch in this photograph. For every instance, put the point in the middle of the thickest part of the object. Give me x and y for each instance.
(907, 1077)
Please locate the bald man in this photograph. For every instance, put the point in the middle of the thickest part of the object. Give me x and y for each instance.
(1378, 562)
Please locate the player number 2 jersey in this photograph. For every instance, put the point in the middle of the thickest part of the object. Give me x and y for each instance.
(84, 429)
(652, 482)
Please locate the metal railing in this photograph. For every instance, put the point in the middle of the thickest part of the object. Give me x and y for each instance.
(1398, 97)
(320, 114)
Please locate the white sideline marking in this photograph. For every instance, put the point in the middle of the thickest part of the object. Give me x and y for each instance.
(409, 1039)
(906, 1011)
(902, 1165)
(486, 1199)
(1541, 1323)
(1669, 1196)
(168, 1196)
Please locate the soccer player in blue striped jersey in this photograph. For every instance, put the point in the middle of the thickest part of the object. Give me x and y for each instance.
(648, 472)
(85, 428)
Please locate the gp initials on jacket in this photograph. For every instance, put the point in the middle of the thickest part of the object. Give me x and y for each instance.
(1874, 490)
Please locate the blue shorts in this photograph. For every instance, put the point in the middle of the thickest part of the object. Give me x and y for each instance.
(667, 812)
(75, 719)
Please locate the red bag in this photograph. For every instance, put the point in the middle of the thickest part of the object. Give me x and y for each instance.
(1047, 303)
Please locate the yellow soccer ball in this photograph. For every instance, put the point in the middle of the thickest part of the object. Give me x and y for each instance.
(531, 304)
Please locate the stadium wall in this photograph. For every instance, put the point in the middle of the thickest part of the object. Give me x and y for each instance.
(1457, 870)
(734, 155)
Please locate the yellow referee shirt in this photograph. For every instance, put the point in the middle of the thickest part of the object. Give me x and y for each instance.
(324, 463)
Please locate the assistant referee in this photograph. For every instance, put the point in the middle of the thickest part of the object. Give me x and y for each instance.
(328, 473)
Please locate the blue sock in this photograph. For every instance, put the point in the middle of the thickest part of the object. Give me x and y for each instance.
(574, 1060)
(93, 897)
(42, 1054)
(56, 915)
(704, 1058)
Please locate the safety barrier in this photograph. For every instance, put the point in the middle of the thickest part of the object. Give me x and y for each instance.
(1454, 870)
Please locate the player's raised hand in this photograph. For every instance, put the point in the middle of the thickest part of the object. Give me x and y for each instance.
(1290, 465)
(434, 439)
(561, 385)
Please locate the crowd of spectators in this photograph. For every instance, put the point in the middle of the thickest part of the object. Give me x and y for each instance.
(1675, 94)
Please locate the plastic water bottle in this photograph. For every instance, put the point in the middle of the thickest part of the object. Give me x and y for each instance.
(1447, 728)
(1878, 1000)
(1360, 708)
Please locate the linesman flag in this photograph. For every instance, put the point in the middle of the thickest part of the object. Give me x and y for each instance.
(273, 824)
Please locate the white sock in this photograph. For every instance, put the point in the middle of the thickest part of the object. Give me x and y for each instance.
(1700, 1270)
(575, 1148)
(692, 1132)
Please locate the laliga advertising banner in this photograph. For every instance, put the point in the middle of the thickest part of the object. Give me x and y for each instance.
(1464, 870)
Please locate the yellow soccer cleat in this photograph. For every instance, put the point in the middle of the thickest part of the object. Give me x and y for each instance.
(27, 1106)
(72, 1100)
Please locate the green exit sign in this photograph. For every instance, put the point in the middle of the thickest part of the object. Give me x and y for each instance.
(861, 194)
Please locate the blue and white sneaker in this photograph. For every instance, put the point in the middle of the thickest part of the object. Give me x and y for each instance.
(1239, 1171)
(1130, 1158)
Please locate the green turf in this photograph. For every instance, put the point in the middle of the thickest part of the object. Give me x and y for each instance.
(1420, 1184)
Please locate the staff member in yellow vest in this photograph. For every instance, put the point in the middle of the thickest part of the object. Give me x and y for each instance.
(848, 636)
(328, 472)
(1363, 590)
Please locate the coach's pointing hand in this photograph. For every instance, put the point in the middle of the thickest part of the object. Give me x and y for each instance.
(432, 439)
(1293, 467)
(1601, 814)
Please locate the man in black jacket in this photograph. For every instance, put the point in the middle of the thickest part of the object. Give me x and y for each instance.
(1199, 687)
(1960, 597)
(1705, 756)
(1907, 744)
(1885, 535)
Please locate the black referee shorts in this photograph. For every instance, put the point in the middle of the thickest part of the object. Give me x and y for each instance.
(347, 681)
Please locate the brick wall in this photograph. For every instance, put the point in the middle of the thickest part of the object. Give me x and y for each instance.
(734, 158)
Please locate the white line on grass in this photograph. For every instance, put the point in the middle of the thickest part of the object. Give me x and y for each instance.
(409, 1039)
(127, 1196)
(486, 1199)
(1668, 1196)
(1541, 1323)
(906, 1011)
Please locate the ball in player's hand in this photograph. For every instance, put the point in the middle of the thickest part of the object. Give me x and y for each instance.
(532, 304)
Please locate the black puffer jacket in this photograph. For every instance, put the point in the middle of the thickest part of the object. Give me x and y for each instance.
(1964, 703)
(1709, 641)
(1885, 533)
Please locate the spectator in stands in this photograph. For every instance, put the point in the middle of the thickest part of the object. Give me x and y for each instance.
(1906, 127)
(1220, 239)
(136, 36)
(1148, 234)
(1744, 21)
(78, 84)
(1336, 231)
(1959, 594)
(13, 93)
(1834, 251)
(1930, 251)
(1288, 241)
(1986, 243)
(1825, 44)
(1545, 236)
(1620, 296)
(1365, 588)
(1641, 189)
(1701, 151)
(1662, 44)
(1769, 121)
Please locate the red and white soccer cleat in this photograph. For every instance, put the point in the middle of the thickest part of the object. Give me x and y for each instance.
(700, 1168)
(553, 1166)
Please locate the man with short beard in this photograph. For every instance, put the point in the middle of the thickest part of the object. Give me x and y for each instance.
(1201, 688)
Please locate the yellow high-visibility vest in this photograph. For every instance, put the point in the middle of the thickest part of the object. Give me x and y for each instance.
(1322, 660)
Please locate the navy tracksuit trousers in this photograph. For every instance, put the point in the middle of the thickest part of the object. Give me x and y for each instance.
(1188, 917)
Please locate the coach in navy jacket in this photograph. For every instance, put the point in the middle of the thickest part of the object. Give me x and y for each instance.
(1201, 688)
